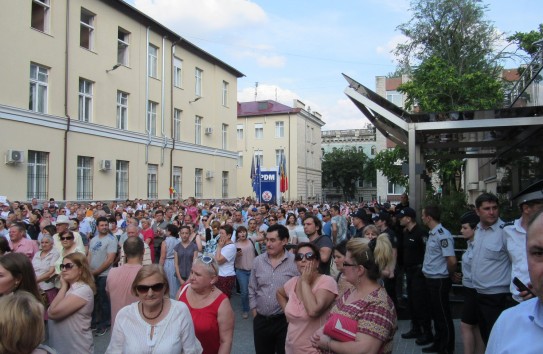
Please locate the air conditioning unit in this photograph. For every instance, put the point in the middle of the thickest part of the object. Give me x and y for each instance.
(105, 165)
(15, 156)
(209, 131)
(209, 174)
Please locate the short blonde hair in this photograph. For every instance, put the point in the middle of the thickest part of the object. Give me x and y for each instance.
(148, 271)
(375, 255)
(21, 323)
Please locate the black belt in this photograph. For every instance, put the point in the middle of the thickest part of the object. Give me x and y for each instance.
(413, 267)
(272, 317)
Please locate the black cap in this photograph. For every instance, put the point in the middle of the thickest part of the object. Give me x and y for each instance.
(407, 211)
(532, 192)
(361, 214)
(383, 215)
(469, 218)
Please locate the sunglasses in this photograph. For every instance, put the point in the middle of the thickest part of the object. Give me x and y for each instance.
(204, 220)
(309, 256)
(66, 238)
(142, 289)
(208, 260)
(67, 266)
(272, 219)
(346, 264)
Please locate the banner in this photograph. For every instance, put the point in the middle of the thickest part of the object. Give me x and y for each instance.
(268, 187)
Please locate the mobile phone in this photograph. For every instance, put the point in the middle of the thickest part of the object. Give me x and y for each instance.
(521, 286)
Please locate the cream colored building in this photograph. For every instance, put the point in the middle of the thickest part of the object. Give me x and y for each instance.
(99, 101)
(268, 130)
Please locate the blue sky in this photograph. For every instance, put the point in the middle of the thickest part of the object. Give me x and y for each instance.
(299, 48)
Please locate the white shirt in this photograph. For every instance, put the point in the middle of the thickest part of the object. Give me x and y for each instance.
(227, 268)
(515, 241)
(174, 334)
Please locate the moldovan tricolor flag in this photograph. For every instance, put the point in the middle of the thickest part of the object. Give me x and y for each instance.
(283, 186)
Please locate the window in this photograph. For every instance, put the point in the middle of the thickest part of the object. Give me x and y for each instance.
(198, 73)
(280, 129)
(224, 133)
(225, 93)
(152, 61)
(259, 157)
(85, 100)
(38, 88)
(240, 131)
(259, 130)
(86, 37)
(122, 110)
(177, 72)
(373, 150)
(152, 181)
(240, 160)
(198, 130)
(151, 117)
(224, 184)
(40, 15)
(122, 46)
(84, 177)
(177, 181)
(278, 155)
(395, 189)
(121, 180)
(198, 175)
(177, 124)
(395, 97)
(36, 177)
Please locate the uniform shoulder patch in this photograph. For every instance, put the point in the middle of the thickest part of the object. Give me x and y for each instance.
(440, 231)
(507, 224)
(444, 243)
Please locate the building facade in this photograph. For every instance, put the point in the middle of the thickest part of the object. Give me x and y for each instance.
(99, 101)
(361, 140)
(267, 130)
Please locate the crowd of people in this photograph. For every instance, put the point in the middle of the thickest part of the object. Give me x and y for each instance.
(313, 278)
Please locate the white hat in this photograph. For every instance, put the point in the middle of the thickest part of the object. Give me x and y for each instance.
(63, 219)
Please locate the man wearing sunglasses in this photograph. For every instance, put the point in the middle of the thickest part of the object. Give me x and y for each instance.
(274, 268)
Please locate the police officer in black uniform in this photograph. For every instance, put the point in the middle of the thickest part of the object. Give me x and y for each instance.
(414, 245)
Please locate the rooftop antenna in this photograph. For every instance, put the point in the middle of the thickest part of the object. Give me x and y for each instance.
(276, 94)
(256, 89)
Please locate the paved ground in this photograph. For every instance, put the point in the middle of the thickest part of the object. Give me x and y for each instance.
(243, 336)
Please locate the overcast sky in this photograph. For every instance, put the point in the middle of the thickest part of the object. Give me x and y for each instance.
(299, 48)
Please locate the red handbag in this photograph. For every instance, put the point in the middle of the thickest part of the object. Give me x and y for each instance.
(341, 328)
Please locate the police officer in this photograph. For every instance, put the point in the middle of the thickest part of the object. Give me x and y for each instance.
(438, 267)
(530, 201)
(491, 267)
(414, 244)
(360, 220)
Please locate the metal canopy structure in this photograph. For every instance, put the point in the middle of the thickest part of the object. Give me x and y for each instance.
(455, 135)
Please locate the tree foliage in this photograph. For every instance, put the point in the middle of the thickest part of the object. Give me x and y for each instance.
(344, 167)
(525, 40)
(389, 162)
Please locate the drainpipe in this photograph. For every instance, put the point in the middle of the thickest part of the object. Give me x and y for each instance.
(147, 130)
(289, 156)
(164, 142)
(66, 110)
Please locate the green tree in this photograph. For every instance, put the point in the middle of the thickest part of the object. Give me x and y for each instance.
(389, 162)
(344, 167)
(525, 40)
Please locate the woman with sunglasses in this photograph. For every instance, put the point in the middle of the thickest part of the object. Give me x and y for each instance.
(366, 302)
(306, 299)
(210, 309)
(69, 246)
(154, 324)
(70, 313)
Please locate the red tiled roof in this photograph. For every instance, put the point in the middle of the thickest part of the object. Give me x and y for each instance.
(268, 107)
(393, 83)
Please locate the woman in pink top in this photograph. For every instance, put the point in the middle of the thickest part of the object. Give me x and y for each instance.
(148, 236)
(306, 300)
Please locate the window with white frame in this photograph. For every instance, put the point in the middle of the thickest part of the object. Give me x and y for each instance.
(259, 157)
(85, 100)
(123, 42)
(198, 74)
(122, 110)
(37, 175)
(239, 131)
(198, 130)
(152, 181)
(152, 61)
(395, 189)
(86, 35)
(373, 150)
(224, 134)
(198, 179)
(225, 184)
(177, 72)
(225, 94)
(84, 177)
(151, 117)
(395, 97)
(259, 130)
(177, 124)
(278, 156)
(239, 164)
(177, 181)
(121, 179)
(40, 16)
(280, 129)
(39, 77)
